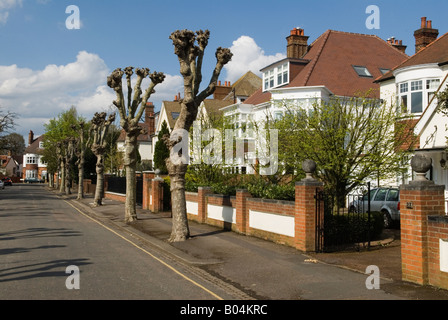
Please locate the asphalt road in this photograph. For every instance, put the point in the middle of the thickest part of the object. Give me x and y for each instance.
(44, 241)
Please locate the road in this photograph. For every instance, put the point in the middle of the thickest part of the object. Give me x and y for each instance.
(44, 241)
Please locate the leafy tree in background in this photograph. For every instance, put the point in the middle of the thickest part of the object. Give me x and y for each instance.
(58, 131)
(13, 143)
(161, 151)
(351, 141)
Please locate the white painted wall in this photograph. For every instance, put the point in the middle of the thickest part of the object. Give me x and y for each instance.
(275, 223)
(221, 213)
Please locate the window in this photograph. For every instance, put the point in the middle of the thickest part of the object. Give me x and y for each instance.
(416, 85)
(275, 77)
(403, 87)
(380, 195)
(415, 95)
(41, 145)
(175, 115)
(31, 174)
(432, 84)
(362, 71)
(282, 74)
(384, 70)
(393, 195)
(416, 102)
(31, 160)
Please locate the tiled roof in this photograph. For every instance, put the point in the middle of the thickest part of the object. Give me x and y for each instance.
(331, 59)
(245, 86)
(33, 148)
(436, 52)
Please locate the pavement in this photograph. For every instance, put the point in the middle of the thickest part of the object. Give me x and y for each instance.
(255, 269)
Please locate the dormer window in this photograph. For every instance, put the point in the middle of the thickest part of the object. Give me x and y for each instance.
(276, 76)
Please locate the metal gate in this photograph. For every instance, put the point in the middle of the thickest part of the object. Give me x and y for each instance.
(342, 227)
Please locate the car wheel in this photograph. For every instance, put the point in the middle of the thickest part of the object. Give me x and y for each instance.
(387, 219)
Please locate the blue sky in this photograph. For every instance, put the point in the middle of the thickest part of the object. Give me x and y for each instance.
(45, 67)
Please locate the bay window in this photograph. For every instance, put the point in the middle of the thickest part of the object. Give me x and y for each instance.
(415, 95)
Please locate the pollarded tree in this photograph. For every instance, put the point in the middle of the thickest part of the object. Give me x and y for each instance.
(189, 47)
(98, 143)
(131, 109)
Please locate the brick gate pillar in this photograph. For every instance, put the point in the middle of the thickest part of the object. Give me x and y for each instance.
(202, 203)
(418, 199)
(146, 190)
(305, 210)
(242, 214)
(157, 195)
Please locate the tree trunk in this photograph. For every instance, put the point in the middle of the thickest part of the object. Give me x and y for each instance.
(99, 191)
(62, 183)
(130, 162)
(180, 230)
(67, 177)
(81, 181)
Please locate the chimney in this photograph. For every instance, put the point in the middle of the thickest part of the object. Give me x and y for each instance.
(221, 91)
(397, 44)
(425, 35)
(30, 137)
(149, 118)
(297, 44)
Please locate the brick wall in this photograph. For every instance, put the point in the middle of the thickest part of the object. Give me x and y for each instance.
(286, 222)
(423, 224)
(437, 229)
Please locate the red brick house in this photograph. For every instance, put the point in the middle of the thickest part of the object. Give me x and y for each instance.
(33, 166)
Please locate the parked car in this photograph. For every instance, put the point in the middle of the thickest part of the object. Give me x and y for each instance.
(7, 181)
(33, 180)
(384, 200)
(2, 184)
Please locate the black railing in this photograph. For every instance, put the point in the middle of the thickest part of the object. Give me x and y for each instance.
(343, 226)
(118, 185)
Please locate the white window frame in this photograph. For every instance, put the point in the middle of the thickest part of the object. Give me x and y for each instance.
(276, 76)
(425, 86)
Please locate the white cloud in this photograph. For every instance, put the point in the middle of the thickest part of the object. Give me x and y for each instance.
(39, 95)
(43, 94)
(248, 56)
(5, 6)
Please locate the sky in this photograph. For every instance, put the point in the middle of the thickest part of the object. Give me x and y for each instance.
(47, 66)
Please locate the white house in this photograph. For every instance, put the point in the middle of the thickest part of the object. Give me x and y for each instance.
(144, 140)
(336, 64)
(413, 85)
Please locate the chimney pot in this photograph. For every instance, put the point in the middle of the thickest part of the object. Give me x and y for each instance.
(423, 22)
(429, 25)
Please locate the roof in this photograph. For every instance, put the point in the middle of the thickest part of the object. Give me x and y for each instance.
(331, 59)
(33, 148)
(245, 86)
(142, 137)
(213, 106)
(170, 107)
(436, 52)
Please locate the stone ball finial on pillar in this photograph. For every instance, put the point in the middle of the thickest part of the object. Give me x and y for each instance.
(157, 172)
(421, 165)
(309, 166)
